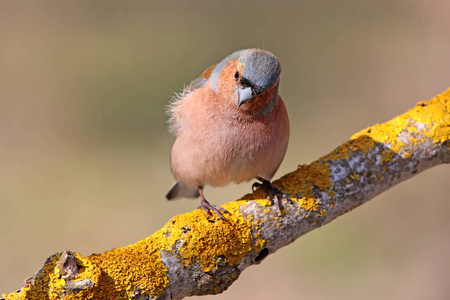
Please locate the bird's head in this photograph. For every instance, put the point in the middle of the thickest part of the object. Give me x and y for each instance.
(249, 74)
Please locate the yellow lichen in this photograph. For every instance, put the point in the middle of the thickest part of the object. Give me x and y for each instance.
(48, 286)
(433, 116)
(321, 213)
(260, 244)
(132, 268)
(386, 133)
(386, 156)
(305, 178)
(363, 144)
(203, 239)
(309, 204)
(435, 113)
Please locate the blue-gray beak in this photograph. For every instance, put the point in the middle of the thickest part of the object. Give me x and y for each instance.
(243, 95)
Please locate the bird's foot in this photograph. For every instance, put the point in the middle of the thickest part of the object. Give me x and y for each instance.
(209, 207)
(273, 193)
(217, 210)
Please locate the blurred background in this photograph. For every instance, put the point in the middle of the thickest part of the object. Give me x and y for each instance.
(84, 150)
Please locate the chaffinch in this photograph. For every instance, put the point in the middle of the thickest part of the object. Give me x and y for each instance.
(231, 125)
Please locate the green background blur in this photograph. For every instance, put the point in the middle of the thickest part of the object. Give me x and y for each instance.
(84, 150)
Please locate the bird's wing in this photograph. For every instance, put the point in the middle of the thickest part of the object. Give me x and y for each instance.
(174, 119)
(199, 82)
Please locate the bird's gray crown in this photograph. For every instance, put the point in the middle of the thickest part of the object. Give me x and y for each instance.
(261, 68)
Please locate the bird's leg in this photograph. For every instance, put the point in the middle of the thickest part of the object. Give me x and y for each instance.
(271, 190)
(208, 207)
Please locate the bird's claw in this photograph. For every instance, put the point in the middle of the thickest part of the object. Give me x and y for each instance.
(273, 193)
(204, 204)
(255, 185)
(216, 209)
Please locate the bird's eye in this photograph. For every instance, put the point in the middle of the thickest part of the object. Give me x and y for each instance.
(236, 75)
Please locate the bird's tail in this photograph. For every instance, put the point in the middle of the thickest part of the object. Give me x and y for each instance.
(179, 190)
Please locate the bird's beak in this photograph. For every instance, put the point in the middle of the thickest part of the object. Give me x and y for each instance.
(243, 95)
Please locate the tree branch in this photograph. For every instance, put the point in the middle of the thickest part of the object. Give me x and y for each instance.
(197, 255)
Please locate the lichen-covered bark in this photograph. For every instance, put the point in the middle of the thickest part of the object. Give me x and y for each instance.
(197, 255)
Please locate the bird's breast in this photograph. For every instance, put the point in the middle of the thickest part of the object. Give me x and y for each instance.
(217, 146)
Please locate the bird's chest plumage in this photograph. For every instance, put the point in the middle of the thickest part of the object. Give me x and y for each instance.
(236, 148)
(226, 145)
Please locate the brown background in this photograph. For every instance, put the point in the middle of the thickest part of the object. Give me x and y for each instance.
(84, 151)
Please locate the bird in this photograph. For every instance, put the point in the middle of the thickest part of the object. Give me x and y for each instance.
(231, 125)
